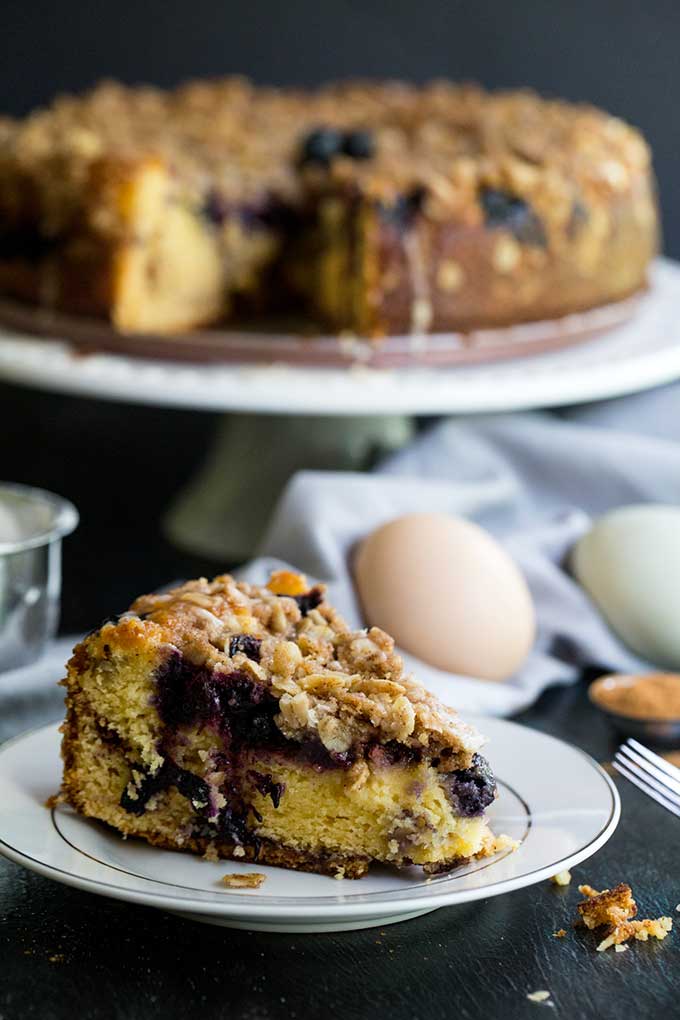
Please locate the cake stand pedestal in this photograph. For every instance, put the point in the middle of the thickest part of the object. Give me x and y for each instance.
(223, 511)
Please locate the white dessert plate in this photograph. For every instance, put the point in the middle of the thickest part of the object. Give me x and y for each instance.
(633, 353)
(555, 800)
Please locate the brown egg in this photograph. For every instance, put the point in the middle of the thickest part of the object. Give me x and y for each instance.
(448, 593)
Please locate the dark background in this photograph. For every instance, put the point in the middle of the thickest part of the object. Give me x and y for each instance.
(620, 54)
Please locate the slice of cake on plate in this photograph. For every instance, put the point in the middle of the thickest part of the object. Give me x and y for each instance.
(251, 723)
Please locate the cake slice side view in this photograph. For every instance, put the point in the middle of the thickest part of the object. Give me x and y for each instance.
(251, 723)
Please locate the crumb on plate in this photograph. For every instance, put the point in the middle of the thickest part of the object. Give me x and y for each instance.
(249, 880)
(561, 878)
(502, 842)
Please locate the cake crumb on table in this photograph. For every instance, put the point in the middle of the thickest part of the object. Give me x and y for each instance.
(611, 906)
(250, 880)
(656, 928)
(615, 909)
(560, 934)
(561, 878)
(540, 996)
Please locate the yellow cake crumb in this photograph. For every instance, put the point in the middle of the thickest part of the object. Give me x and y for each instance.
(561, 878)
(656, 928)
(560, 934)
(494, 844)
(541, 996)
(250, 880)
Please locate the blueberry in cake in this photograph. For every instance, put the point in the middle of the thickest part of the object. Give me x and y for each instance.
(373, 207)
(251, 723)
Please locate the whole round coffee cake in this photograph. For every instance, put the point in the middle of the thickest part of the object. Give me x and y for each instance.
(376, 208)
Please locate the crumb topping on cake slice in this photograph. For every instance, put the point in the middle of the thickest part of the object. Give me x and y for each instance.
(342, 686)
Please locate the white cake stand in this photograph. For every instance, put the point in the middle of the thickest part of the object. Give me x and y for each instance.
(288, 413)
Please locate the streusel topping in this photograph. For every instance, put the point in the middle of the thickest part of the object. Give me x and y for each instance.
(448, 140)
(341, 686)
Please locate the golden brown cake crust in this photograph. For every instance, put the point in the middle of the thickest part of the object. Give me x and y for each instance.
(474, 208)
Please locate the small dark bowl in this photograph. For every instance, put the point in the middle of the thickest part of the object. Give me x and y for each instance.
(661, 732)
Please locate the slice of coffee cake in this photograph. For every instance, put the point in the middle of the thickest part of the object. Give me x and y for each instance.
(251, 722)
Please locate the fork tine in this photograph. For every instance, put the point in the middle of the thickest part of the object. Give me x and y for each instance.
(646, 789)
(647, 766)
(647, 779)
(671, 770)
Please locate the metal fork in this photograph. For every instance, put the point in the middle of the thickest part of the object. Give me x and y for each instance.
(653, 775)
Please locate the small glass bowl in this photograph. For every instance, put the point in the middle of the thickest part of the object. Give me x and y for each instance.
(661, 732)
(32, 525)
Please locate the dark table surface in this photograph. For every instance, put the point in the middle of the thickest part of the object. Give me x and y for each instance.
(66, 954)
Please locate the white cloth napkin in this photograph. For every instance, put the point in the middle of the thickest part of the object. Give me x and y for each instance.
(534, 480)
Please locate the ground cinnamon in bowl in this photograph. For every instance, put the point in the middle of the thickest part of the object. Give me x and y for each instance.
(648, 696)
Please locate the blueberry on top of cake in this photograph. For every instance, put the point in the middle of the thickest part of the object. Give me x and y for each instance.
(251, 722)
